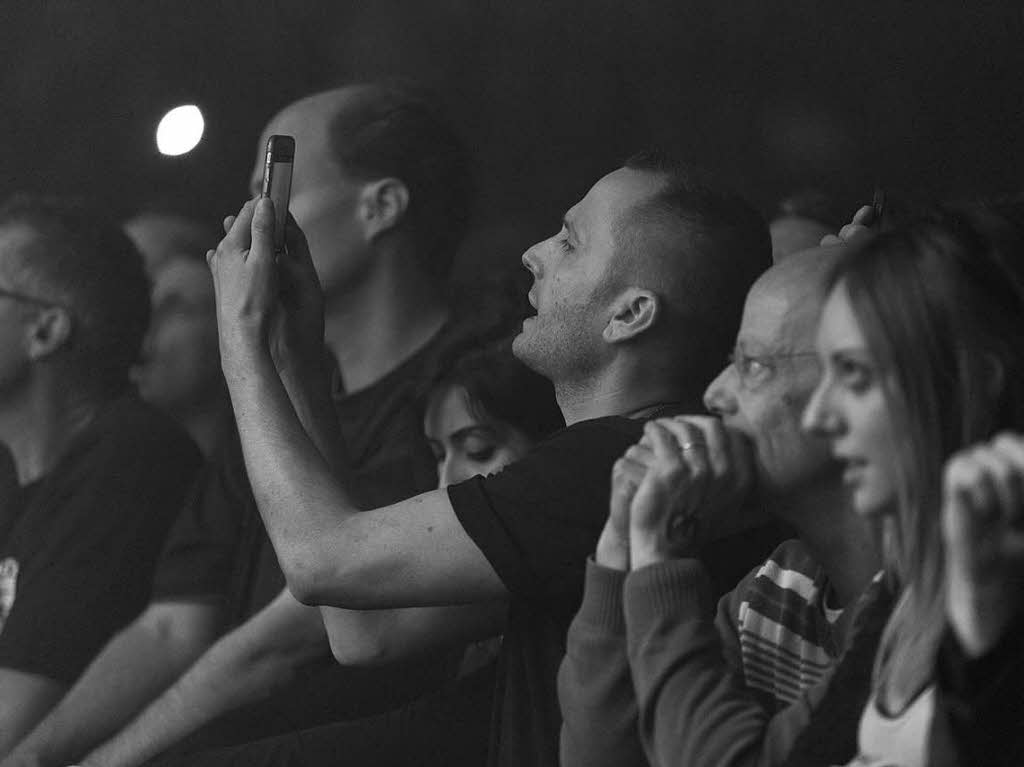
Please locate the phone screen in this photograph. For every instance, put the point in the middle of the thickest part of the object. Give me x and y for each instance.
(277, 182)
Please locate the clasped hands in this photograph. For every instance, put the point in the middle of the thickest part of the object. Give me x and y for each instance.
(266, 301)
(686, 477)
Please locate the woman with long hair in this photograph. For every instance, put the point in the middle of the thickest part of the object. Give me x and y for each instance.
(922, 359)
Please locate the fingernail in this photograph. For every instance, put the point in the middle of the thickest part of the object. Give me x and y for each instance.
(264, 206)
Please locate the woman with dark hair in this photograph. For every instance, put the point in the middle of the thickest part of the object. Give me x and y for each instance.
(485, 411)
(923, 376)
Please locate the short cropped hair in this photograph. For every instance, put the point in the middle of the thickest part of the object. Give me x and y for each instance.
(82, 260)
(723, 247)
(393, 130)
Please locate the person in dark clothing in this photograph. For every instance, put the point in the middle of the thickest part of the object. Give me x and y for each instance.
(633, 308)
(100, 475)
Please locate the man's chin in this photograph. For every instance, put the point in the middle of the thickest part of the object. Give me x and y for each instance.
(524, 348)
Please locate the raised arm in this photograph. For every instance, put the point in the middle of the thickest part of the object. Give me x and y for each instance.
(979, 705)
(413, 553)
(377, 637)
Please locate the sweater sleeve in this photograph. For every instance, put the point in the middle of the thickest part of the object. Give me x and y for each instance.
(694, 707)
(595, 690)
(980, 703)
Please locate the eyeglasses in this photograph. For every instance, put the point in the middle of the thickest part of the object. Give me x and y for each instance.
(755, 370)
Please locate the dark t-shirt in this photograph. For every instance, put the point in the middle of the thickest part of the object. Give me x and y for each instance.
(78, 546)
(219, 550)
(536, 522)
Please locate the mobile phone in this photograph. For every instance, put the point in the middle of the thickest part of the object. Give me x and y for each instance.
(277, 182)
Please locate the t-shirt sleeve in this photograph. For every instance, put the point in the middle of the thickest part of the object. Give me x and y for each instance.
(87, 571)
(198, 560)
(538, 520)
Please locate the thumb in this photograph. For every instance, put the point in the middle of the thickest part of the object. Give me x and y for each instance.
(262, 248)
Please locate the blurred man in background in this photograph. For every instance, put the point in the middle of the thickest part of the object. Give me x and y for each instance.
(100, 475)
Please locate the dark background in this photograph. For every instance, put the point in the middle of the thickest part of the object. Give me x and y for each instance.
(923, 97)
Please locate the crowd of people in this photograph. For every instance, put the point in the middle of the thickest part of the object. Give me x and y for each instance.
(716, 491)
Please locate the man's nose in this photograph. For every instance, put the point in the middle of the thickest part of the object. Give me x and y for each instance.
(532, 261)
(720, 396)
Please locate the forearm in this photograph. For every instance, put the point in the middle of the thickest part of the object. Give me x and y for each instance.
(25, 698)
(694, 708)
(307, 384)
(595, 690)
(244, 667)
(298, 497)
(134, 667)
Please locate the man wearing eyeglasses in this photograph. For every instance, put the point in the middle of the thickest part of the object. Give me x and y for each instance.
(99, 475)
(691, 690)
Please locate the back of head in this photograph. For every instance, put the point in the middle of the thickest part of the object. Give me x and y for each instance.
(701, 248)
(385, 130)
(800, 221)
(162, 236)
(82, 261)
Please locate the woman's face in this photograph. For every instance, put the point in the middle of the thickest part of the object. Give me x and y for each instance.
(850, 409)
(464, 444)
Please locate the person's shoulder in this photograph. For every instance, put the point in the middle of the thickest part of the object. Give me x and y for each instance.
(612, 427)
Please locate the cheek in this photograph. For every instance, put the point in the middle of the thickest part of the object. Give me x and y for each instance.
(784, 448)
(187, 339)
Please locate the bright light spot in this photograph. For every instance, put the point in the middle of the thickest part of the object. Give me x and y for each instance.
(180, 130)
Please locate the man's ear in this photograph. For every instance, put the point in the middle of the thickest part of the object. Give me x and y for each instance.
(48, 332)
(383, 204)
(634, 311)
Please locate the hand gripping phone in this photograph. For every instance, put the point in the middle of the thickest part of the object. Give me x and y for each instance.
(277, 182)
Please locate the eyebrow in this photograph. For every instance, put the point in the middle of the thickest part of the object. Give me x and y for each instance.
(855, 350)
(468, 431)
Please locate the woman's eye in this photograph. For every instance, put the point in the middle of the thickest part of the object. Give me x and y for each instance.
(853, 374)
(480, 453)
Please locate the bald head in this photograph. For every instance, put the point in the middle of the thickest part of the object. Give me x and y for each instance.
(368, 132)
(795, 290)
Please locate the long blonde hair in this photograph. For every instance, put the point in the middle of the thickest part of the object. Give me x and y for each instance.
(942, 317)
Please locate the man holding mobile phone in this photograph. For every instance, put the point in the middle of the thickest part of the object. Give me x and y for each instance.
(381, 188)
